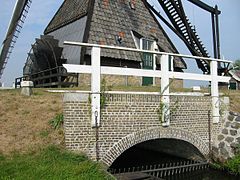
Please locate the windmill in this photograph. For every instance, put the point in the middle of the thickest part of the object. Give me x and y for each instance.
(182, 27)
(16, 23)
(179, 24)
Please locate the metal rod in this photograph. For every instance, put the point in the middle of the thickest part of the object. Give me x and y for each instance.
(97, 138)
(214, 36)
(204, 6)
(169, 25)
(209, 134)
(217, 32)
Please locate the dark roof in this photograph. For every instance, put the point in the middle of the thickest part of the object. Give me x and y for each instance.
(69, 11)
(108, 19)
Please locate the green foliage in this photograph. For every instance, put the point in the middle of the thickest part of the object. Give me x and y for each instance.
(163, 106)
(2, 157)
(104, 88)
(236, 65)
(216, 165)
(50, 163)
(57, 121)
(233, 165)
(103, 99)
(237, 150)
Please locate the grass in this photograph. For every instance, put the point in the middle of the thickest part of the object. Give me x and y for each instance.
(234, 99)
(57, 121)
(233, 165)
(24, 121)
(50, 163)
(25, 129)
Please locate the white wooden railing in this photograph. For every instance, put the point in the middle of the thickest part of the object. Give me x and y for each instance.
(96, 70)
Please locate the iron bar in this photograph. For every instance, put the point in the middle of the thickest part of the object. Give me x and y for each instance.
(209, 134)
(97, 135)
(214, 35)
(164, 170)
(217, 32)
(204, 6)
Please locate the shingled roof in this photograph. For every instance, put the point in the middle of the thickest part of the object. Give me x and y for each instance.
(108, 19)
(69, 11)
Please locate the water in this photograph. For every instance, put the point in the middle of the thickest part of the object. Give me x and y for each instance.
(137, 157)
(204, 175)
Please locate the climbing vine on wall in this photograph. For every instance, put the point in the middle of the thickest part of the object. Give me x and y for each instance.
(103, 99)
(165, 106)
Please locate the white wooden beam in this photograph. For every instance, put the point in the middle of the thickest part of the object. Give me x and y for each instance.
(130, 71)
(74, 68)
(197, 77)
(142, 72)
(214, 92)
(165, 99)
(96, 86)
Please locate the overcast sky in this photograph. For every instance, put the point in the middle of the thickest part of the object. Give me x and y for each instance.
(42, 11)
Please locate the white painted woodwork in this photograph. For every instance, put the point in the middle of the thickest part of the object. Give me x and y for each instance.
(165, 90)
(214, 92)
(96, 70)
(96, 86)
(142, 72)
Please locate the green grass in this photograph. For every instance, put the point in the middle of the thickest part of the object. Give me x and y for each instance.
(57, 121)
(50, 163)
(233, 165)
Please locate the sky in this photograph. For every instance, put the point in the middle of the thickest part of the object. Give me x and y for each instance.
(41, 12)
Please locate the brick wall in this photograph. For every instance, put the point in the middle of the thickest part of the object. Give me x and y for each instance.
(85, 79)
(130, 119)
(113, 80)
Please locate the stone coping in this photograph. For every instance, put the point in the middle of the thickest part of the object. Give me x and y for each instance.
(132, 92)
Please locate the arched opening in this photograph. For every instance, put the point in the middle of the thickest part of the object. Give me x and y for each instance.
(156, 136)
(157, 151)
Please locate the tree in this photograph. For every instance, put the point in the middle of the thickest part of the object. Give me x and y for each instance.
(236, 65)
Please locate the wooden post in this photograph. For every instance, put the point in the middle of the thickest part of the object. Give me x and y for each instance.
(165, 90)
(214, 92)
(96, 86)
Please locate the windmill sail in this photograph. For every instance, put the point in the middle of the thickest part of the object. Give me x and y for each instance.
(19, 15)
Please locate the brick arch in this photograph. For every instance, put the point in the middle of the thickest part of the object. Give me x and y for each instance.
(150, 134)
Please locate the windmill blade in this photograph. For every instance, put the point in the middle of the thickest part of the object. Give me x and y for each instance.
(19, 15)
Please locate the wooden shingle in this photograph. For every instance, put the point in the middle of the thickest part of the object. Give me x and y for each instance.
(108, 19)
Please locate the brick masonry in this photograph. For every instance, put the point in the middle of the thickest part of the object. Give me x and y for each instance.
(129, 119)
(114, 80)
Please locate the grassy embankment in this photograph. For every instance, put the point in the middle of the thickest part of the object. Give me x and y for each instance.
(30, 148)
(50, 163)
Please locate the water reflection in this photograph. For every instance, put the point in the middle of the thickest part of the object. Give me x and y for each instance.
(204, 175)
